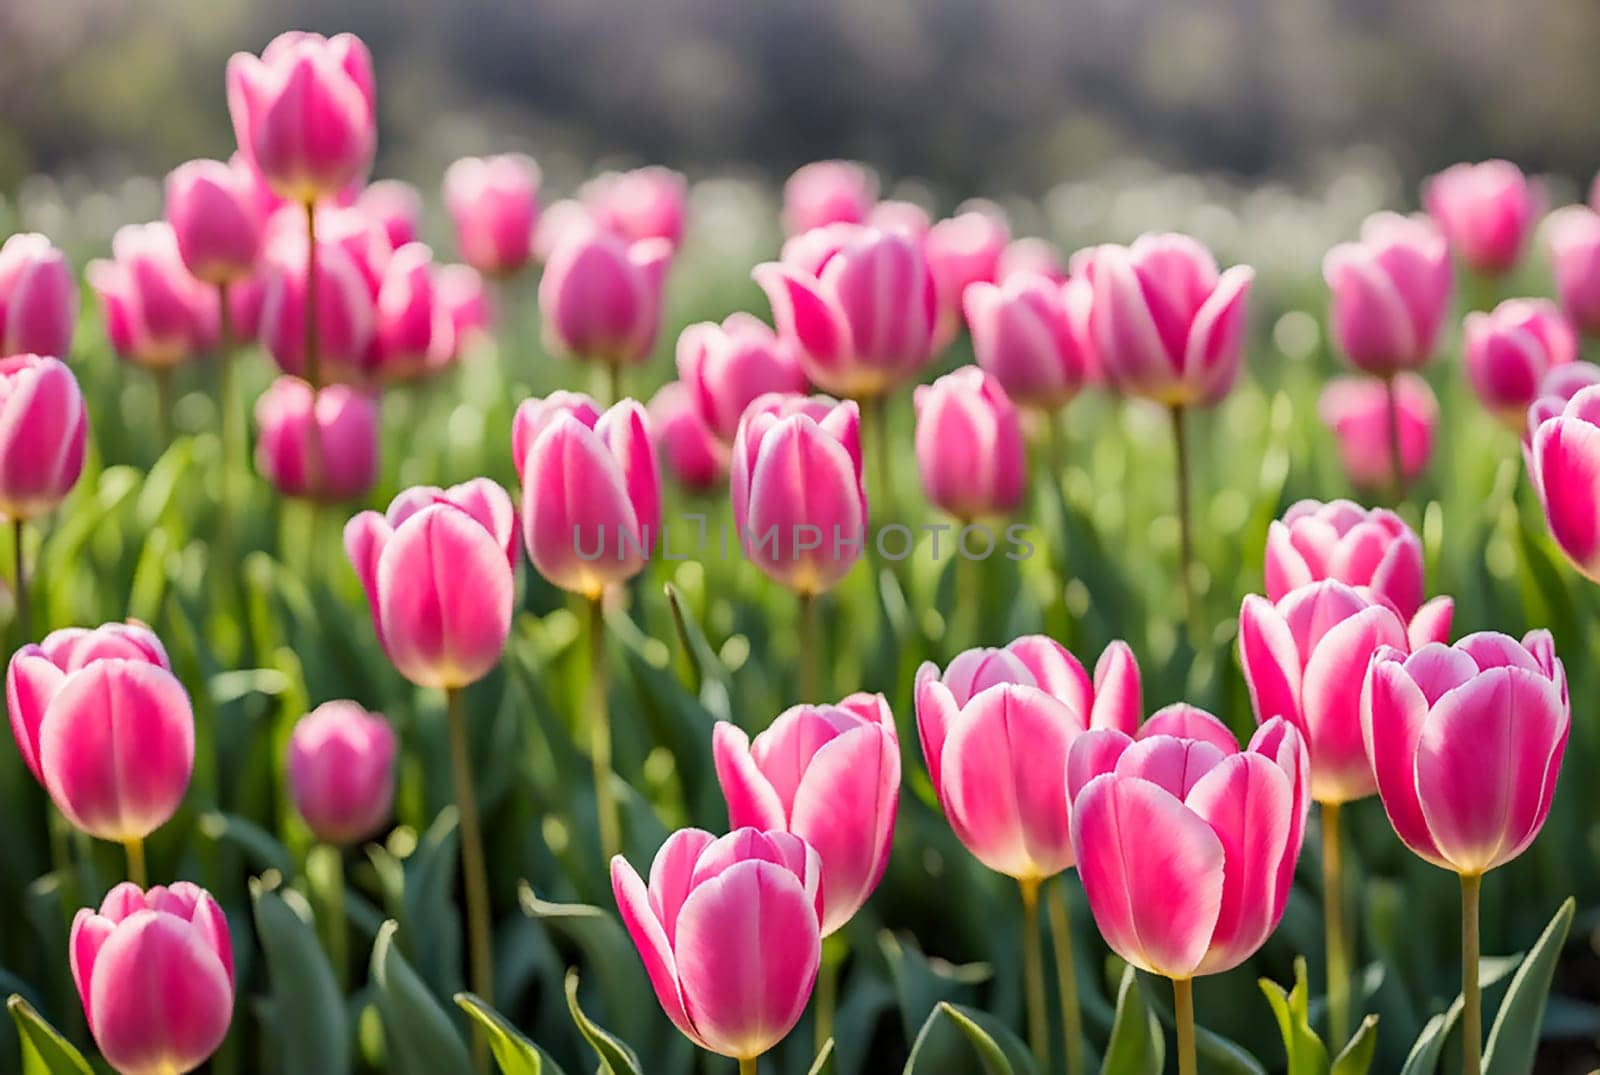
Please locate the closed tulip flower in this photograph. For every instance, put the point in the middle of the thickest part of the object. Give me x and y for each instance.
(1486, 211)
(397, 207)
(798, 500)
(1573, 235)
(43, 430)
(462, 313)
(905, 219)
(646, 203)
(38, 298)
(341, 771)
(1022, 336)
(407, 315)
(157, 314)
(438, 573)
(215, 218)
(963, 250)
(1031, 256)
(591, 490)
(969, 445)
(601, 297)
(346, 309)
(494, 204)
(726, 367)
(154, 970)
(829, 774)
(729, 933)
(1341, 540)
(343, 421)
(305, 113)
(1391, 292)
(828, 192)
(1562, 463)
(1560, 384)
(859, 305)
(1357, 411)
(691, 452)
(1510, 350)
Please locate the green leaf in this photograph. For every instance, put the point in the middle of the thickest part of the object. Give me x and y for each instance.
(921, 984)
(1356, 1058)
(512, 1050)
(1137, 1045)
(308, 1014)
(615, 1057)
(710, 674)
(997, 1049)
(1305, 1051)
(418, 1036)
(609, 953)
(261, 848)
(44, 1050)
(1219, 1055)
(1515, 1035)
(823, 1056)
(1424, 1055)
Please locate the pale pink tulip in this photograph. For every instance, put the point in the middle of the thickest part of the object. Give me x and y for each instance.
(1573, 235)
(1564, 466)
(726, 367)
(340, 766)
(463, 314)
(157, 314)
(1341, 540)
(1023, 335)
(1031, 256)
(970, 451)
(828, 192)
(1391, 292)
(601, 297)
(690, 451)
(646, 203)
(494, 205)
(337, 428)
(1510, 350)
(396, 205)
(38, 298)
(963, 250)
(905, 219)
(43, 430)
(1487, 211)
(1356, 411)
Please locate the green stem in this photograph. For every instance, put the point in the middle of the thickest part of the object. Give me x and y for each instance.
(827, 992)
(1180, 444)
(475, 873)
(1338, 957)
(1397, 471)
(163, 379)
(969, 601)
(134, 846)
(1183, 1007)
(1471, 997)
(875, 415)
(226, 430)
(748, 1067)
(600, 732)
(810, 648)
(325, 869)
(1066, 974)
(23, 615)
(1033, 974)
(613, 383)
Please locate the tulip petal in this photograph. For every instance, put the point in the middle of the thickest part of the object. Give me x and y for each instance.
(845, 808)
(31, 681)
(1331, 695)
(752, 802)
(1271, 661)
(655, 949)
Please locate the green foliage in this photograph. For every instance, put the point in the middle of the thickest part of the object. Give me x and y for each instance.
(44, 1050)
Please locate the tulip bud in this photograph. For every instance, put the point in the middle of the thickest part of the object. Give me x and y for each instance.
(728, 931)
(1574, 239)
(1562, 463)
(43, 430)
(692, 454)
(157, 314)
(438, 571)
(215, 218)
(1390, 293)
(1022, 336)
(397, 207)
(494, 204)
(154, 971)
(462, 313)
(1509, 351)
(829, 774)
(1340, 540)
(1356, 410)
(969, 445)
(407, 313)
(601, 297)
(38, 298)
(905, 219)
(646, 203)
(563, 220)
(341, 771)
(344, 423)
(726, 367)
(963, 250)
(828, 192)
(1486, 211)
(346, 316)
(1031, 256)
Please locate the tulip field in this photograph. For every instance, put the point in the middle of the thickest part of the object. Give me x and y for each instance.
(676, 625)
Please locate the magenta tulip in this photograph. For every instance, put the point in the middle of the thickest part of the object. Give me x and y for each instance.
(1560, 384)
(346, 312)
(154, 971)
(726, 367)
(1341, 540)
(961, 251)
(38, 298)
(216, 219)
(1356, 410)
(1022, 336)
(1391, 292)
(729, 932)
(43, 430)
(305, 113)
(859, 304)
(601, 297)
(1563, 464)
(157, 314)
(341, 771)
(336, 427)
(494, 204)
(691, 452)
(439, 575)
(407, 315)
(1487, 212)
(646, 203)
(397, 206)
(1573, 235)
(798, 500)
(970, 451)
(591, 490)
(1509, 352)
(828, 192)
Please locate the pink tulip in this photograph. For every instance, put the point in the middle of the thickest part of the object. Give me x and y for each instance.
(43, 430)
(1304, 657)
(397, 206)
(859, 305)
(244, 308)
(601, 297)
(829, 774)
(1573, 235)
(1391, 292)
(1466, 741)
(462, 313)
(798, 501)
(216, 219)
(692, 453)
(1356, 410)
(1022, 336)
(1167, 325)
(154, 971)
(1509, 351)
(439, 574)
(105, 726)
(591, 491)
(344, 422)
(1216, 833)
(407, 315)
(963, 250)
(729, 931)
(828, 192)
(1557, 388)
(341, 771)
(38, 298)
(1486, 211)
(494, 204)
(157, 314)
(305, 113)
(726, 367)
(905, 219)
(646, 203)
(996, 729)
(1563, 463)
(1031, 256)
(970, 452)
(346, 322)
(1340, 540)
(560, 222)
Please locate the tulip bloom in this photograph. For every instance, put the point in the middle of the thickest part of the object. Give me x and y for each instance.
(38, 298)
(1023, 336)
(692, 453)
(1391, 292)
(104, 725)
(43, 430)
(1341, 540)
(341, 771)
(157, 314)
(1509, 352)
(337, 427)
(154, 970)
(346, 308)
(829, 774)
(646, 203)
(726, 367)
(969, 445)
(798, 501)
(216, 219)
(591, 491)
(438, 571)
(1563, 461)
(494, 204)
(601, 297)
(397, 207)
(961, 251)
(828, 192)
(1486, 211)
(407, 315)
(1573, 235)
(1358, 411)
(305, 113)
